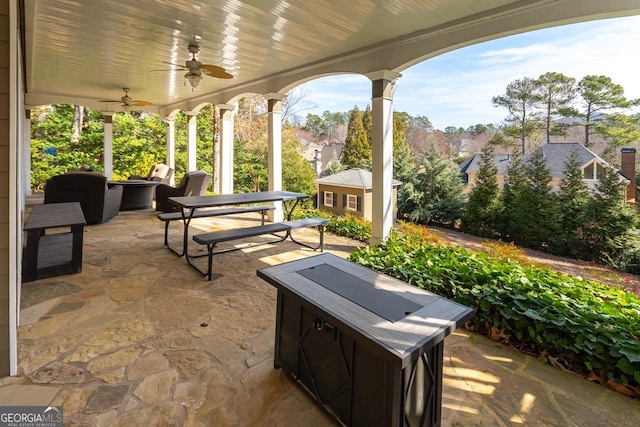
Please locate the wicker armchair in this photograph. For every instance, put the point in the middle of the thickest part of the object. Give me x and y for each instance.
(99, 203)
(193, 183)
(159, 173)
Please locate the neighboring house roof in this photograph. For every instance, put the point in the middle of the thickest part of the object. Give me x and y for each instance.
(472, 164)
(554, 154)
(354, 178)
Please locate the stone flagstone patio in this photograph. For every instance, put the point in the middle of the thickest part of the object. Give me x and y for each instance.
(139, 338)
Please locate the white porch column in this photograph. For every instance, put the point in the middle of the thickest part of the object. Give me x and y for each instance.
(171, 145)
(191, 140)
(382, 154)
(275, 151)
(224, 165)
(26, 153)
(108, 143)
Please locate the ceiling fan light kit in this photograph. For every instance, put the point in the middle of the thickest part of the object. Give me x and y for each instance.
(193, 79)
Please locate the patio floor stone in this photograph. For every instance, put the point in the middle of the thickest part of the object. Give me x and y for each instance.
(140, 338)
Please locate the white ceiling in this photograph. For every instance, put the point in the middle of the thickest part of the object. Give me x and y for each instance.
(83, 51)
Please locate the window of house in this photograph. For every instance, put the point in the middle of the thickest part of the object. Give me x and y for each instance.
(352, 203)
(599, 171)
(328, 198)
(589, 171)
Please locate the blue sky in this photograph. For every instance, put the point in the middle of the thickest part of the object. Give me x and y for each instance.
(455, 89)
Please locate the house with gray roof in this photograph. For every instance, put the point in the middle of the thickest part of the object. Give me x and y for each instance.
(350, 192)
(555, 156)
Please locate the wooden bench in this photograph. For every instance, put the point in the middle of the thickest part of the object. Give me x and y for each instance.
(167, 217)
(214, 238)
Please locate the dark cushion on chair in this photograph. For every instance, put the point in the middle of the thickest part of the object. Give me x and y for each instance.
(99, 203)
(193, 183)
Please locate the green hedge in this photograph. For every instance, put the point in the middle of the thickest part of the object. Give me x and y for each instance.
(344, 225)
(581, 325)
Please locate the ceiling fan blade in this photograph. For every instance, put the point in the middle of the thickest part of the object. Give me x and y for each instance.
(141, 103)
(215, 71)
(109, 100)
(171, 69)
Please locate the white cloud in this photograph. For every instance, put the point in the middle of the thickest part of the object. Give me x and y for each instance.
(456, 88)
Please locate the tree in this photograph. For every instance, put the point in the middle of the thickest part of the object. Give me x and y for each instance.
(599, 96)
(435, 195)
(357, 149)
(315, 125)
(618, 130)
(540, 217)
(78, 116)
(297, 173)
(334, 167)
(367, 123)
(481, 216)
(520, 100)
(573, 196)
(611, 229)
(557, 91)
(294, 102)
(513, 204)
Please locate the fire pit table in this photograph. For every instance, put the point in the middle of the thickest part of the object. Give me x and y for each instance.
(367, 347)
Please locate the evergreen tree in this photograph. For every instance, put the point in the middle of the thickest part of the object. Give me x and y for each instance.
(367, 123)
(611, 221)
(436, 194)
(357, 150)
(557, 91)
(600, 95)
(540, 217)
(574, 197)
(513, 203)
(520, 99)
(334, 167)
(483, 209)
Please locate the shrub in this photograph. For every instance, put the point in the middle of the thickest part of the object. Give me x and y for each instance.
(580, 325)
(344, 225)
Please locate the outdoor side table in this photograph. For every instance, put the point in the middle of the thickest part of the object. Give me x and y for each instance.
(367, 347)
(136, 193)
(55, 253)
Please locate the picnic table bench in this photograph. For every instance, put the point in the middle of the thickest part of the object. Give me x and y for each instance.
(168, 217)
(212, 239)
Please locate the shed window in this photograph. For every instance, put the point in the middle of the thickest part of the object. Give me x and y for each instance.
(328, 198)
(352, 203)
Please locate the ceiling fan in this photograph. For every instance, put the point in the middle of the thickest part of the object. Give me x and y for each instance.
(195, 69)
(127, 101)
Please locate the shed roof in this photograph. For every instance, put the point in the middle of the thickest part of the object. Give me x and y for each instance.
(355, 178)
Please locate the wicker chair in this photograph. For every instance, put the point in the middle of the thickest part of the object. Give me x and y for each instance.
(159, 173)
(193, 183)
(99, 203)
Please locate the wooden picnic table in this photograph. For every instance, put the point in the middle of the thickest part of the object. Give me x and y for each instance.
(189, 205)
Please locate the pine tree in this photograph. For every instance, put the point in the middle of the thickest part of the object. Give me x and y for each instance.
(357, 150)
(483, 209)
(512, 204)
(574, 196)
(540, 217)
(612, 222)
(436, 193)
